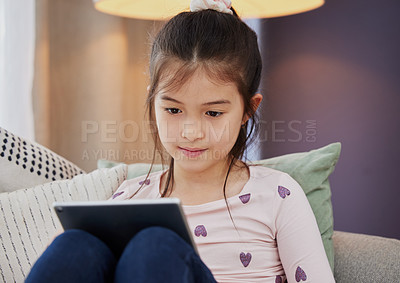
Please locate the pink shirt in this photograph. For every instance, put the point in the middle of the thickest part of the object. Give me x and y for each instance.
(277, 236)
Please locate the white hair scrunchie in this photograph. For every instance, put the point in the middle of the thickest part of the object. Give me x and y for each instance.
(223, 6)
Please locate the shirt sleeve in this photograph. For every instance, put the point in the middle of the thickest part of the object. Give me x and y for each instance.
(298, 238)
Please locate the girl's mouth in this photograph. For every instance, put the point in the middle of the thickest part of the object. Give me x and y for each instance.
(191, 152)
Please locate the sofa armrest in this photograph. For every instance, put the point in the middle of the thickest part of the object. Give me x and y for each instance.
(364, 258)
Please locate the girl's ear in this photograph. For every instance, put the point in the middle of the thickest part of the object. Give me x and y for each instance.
(254, 102)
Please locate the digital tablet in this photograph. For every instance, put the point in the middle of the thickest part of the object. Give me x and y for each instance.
(116, 222)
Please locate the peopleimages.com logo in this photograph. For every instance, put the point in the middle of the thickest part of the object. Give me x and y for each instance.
(106, 132)
(288, 131)
(131, 131)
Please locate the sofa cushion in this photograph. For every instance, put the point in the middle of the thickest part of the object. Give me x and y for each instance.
(25, 164)
(310, 169)
(364, 258)
(28, 222)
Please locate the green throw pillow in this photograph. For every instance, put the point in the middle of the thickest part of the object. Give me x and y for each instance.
(310, 169)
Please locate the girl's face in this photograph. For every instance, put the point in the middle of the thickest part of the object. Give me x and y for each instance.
(199, 123)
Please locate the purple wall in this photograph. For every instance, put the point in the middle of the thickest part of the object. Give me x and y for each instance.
(339, 67)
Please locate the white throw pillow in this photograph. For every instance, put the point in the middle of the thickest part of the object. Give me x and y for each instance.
(28, 222)
(25, 164)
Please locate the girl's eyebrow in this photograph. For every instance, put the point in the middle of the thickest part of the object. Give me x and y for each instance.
(223, 101)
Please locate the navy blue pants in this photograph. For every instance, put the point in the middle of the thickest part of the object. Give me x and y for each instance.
(153, 255)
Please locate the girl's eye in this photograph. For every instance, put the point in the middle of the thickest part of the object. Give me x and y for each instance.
(213, 113)
(173, 110)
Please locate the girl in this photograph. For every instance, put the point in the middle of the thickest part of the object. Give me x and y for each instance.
(250, 223)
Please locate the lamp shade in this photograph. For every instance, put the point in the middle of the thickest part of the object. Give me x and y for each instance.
(164, 9)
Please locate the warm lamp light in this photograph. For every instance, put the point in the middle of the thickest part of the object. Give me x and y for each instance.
(164, 9)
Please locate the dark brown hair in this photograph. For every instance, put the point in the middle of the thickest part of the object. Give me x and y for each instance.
(225, 47)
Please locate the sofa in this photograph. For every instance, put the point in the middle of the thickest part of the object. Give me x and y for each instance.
(28, 222)
(365, 258)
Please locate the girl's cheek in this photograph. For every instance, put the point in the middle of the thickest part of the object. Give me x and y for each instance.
(223, 132)
(168, 130)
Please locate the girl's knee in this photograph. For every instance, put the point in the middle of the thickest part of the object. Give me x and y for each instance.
(74, 234)
(74, 256)
(156, 233)
(156, 239)
(82, 241)
(77, 237)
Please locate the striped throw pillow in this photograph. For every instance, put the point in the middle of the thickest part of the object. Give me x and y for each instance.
(28, 222)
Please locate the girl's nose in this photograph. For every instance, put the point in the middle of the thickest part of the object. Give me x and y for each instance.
(192, 131)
